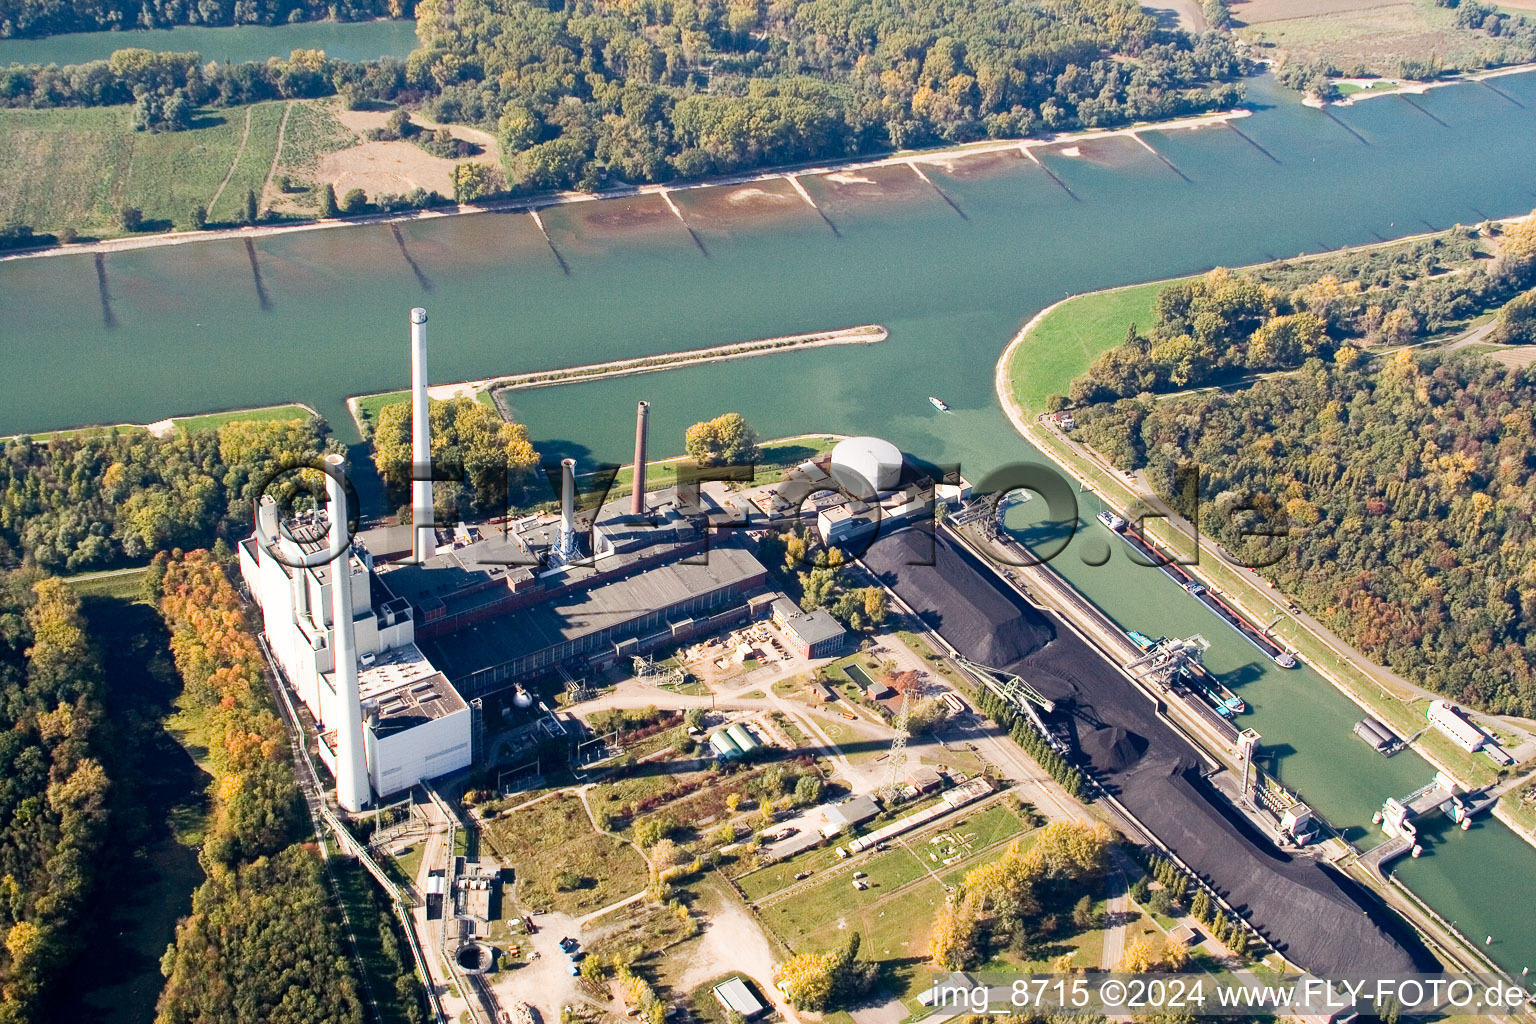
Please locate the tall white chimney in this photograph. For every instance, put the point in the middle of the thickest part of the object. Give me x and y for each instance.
(424, 544)
(568, 507)
(352, 788)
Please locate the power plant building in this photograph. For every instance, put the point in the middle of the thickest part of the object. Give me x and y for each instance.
(385, 717)
(502, 606)
(415, 724)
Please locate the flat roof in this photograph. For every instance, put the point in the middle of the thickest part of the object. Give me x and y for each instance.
(407, 689)
(463, 574)
(573, 614)
(814, 627)
(736, 996)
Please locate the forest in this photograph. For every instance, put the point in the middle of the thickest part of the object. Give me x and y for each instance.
(54, 785)
(588, 94)
(1226, 324)
(1399, 496)
(262, 936)
(592, 92)
(94, 500)
(48, 17)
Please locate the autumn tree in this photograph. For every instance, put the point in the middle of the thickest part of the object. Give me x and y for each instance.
(827, 981)
(478, 458)
(952, 946)
(726, 440)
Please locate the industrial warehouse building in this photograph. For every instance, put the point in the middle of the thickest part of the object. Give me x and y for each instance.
(1447, 717)
(734, 997)
(814, 634)
(657, 578)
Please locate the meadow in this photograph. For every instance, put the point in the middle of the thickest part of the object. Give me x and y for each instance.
(1375, 41)
(1063, 344)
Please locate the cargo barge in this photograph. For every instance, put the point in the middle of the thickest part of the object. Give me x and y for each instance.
(1253, 634)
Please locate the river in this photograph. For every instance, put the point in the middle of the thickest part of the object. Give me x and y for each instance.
(349, 40)
(952, 280)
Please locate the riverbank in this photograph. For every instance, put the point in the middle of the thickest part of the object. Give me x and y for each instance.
(1399, 87)
(533, 204)
(195, 422)
(1375, 690)
(365, 408)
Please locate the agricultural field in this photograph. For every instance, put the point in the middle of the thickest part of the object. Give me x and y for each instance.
(77, 168)
(1370, 40)
(554, 836)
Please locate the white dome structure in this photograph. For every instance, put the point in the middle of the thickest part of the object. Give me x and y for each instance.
(865, 465)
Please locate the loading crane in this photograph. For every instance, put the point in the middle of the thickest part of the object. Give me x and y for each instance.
(1167, 659)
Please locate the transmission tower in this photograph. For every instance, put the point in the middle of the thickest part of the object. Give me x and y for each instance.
(898, 748)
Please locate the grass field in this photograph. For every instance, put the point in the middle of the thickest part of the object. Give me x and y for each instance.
(215, 420)
(1067, 340)
(834, 899)
(1375, 41)
(77, 168)
(555, 836)
(127, 584)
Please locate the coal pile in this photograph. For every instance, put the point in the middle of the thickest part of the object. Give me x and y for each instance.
(1314, 915)
(1112, 747)
(957, 599)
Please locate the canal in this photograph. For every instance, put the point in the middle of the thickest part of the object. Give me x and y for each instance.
(184, 329)
(344, 40)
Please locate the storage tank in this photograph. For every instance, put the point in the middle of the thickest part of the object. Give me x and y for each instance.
(866, 465)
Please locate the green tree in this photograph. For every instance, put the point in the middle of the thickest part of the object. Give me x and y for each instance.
(1517, 321)
(199, 217)
(355, 201)
(808, 790)
(252, 212)
(876, 606)
(328, 207)
(725, 440)
(470, 443)
(131, 218)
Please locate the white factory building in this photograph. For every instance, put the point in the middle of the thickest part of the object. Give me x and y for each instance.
(386, 718)
(1447, 717)
(878, 489)
(415, 724)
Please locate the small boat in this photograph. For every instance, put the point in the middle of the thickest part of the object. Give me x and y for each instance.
(1194, 588)
(1235, 705)
(1141, 640)
(1111, 520)
(1221, 709)
(1285, 659)
(938, 403)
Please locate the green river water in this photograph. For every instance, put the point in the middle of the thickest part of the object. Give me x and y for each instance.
(317, 316)
(356, 40)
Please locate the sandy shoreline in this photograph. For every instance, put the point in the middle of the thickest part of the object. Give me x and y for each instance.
(535, 203)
